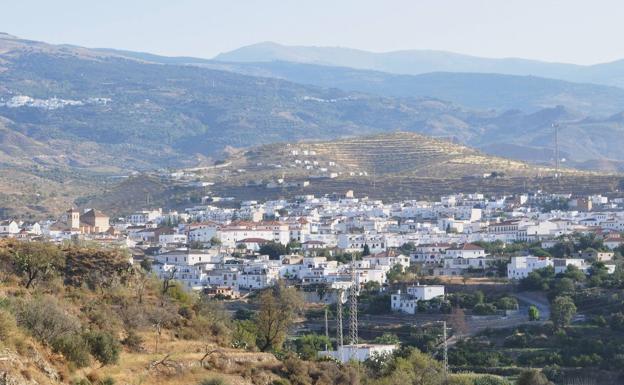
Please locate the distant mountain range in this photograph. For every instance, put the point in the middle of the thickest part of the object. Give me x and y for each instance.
(474, 90)
(65, 109)
(416, 62)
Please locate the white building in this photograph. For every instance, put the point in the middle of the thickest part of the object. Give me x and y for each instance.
(408, 302)
(359, 352)
(465, 251)
(426, 292)
(520, 267)
(271, 231)
(202, 232)
(166, 239)
(145, 216)
(561, 264)
(356, 242)
(403, 303)
(9, 228)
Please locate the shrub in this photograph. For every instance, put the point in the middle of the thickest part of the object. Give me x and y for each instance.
(308, 345)
(484, 309)
(617, 321)
(507, 303)
(186, 312)
(45, 319)
(532, 377)
(213, 381)
(74, 348)
(94, 377)
(104, 347)
(490, 380)
(244, 335)
(133, 341)
(8, 325)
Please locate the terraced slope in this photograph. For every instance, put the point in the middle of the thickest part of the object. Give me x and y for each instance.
(395, 154)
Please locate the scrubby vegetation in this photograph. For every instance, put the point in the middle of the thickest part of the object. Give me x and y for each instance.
(89, 317)
(96, 319)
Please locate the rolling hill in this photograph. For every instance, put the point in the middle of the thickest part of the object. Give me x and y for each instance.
(71, 113)
(394, 154)
(415, 62)
(392, 167)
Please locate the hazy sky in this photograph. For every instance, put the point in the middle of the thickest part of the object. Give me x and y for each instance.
(577, 31)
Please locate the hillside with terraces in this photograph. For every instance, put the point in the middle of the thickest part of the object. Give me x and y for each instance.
(396, 154)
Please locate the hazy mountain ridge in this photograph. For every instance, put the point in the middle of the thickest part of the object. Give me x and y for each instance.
(158, 115)
(416, 62)
(474, 90)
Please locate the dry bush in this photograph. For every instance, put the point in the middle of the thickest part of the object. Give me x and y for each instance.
(94, 377)
(8, 325)
(104, 317)
(45, 318)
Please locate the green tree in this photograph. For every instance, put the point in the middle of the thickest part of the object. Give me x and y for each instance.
(366, 251)
(244, 334)
(215, 241)
(507, 303)
(564, 286)
(562, 311)
(388, 339)
(372, 287)
(273, 250)
(395, 273)
(574, 273)
(534, 314)
(310, 344)
(36, 260)
(411, 367)
(279, 306)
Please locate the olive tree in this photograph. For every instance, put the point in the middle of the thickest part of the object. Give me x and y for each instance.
(35, 261)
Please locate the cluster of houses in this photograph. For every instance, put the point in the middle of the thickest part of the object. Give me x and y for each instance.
(222, 250)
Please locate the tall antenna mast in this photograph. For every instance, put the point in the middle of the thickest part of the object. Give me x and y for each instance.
(556, 128)
(326, 330)
(339, 337)
(445, 349)
(353, 318)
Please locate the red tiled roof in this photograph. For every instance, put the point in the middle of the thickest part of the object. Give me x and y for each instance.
(468, 246)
